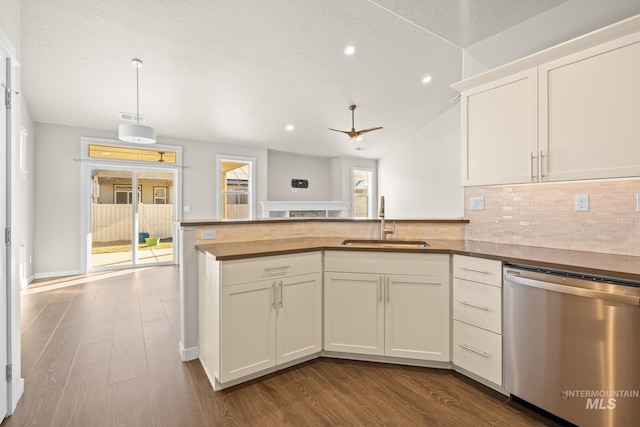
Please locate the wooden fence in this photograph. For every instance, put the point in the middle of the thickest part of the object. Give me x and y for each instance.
(111, 223)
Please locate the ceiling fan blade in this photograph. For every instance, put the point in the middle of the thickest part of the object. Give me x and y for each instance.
(343, 131)
(360, 132)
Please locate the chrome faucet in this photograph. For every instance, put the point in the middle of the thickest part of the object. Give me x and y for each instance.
(384, 230)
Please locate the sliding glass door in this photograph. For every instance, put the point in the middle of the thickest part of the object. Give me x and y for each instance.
(112, 201)
(131, 216)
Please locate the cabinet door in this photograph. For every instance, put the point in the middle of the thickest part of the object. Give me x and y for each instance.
(354, 313)
(299, 319)
(248, 336)
(590, 113)
(500, 131)
(417, 317)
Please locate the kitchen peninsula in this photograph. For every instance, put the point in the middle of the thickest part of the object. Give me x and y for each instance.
(265, 247)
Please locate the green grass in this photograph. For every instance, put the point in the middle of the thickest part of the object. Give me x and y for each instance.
(127, 248)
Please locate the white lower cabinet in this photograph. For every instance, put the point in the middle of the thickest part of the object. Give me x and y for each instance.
(387, 314)
(268, 323)
(246, 328)
(477, 317)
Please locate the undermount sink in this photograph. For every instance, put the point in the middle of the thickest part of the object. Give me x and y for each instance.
(373, 243)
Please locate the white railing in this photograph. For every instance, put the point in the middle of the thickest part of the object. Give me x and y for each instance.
(111, 223)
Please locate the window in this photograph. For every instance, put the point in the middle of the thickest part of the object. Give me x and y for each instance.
(122, 194)
(120, 152)
(160, 195)
(235, 192)
(363, 194)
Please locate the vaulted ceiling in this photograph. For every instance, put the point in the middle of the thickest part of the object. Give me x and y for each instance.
(239, 71)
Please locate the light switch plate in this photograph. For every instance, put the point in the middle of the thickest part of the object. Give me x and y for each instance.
(637, 202)
(582, 203)
(477, 203)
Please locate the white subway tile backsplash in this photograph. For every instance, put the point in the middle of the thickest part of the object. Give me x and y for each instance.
(544, 215)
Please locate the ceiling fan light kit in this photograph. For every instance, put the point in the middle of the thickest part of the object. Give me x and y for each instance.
(137, 133)
(353, 133)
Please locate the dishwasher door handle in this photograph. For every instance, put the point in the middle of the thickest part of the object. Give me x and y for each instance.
(572, 290)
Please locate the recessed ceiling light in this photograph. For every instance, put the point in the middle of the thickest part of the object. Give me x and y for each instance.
(289, 128)
(349, 50)
(426, 79)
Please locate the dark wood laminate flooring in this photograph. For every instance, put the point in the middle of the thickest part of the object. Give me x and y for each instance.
(104, 352)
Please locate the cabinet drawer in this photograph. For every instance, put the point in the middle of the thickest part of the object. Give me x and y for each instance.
(479, 270)
(387, 263)
(478, 304)
(262, 268)
(478, 351)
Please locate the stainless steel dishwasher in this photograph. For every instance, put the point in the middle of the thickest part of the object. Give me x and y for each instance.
(572, 345)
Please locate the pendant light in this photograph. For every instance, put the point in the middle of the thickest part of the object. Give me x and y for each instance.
(137, 133)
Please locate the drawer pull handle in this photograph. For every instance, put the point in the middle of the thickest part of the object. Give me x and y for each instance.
(474, 270)
(470, 304)
(279, 267)
(473, 350)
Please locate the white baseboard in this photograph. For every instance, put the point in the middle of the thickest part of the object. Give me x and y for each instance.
(58, 274)
(187, 354)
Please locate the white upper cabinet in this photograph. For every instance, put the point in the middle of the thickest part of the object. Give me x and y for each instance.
(500, 131)
(590, 113)
(567, 113)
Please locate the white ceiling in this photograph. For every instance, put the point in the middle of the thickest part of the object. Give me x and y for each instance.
(239, 71)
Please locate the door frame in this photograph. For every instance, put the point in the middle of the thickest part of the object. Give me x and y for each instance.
(10, 306)
(134, 166)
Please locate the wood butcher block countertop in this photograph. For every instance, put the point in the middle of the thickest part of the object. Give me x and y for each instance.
(616, 266)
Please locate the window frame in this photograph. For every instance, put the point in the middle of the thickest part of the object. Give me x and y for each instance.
(372, 191)
(251, 193)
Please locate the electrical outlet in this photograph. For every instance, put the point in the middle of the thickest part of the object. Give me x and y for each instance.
(477, 203)
(208, 235)
(582, 203)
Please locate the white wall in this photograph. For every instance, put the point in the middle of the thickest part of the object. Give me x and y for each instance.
(283, 167)
(421, 178)
(341, 177)
(58, 198)
(199, 174)
(10, 18)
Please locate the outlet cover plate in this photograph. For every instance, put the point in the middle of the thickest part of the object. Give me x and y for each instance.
(208, 235)
(582, 203)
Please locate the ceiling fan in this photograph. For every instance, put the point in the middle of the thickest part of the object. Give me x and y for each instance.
(353, 133)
